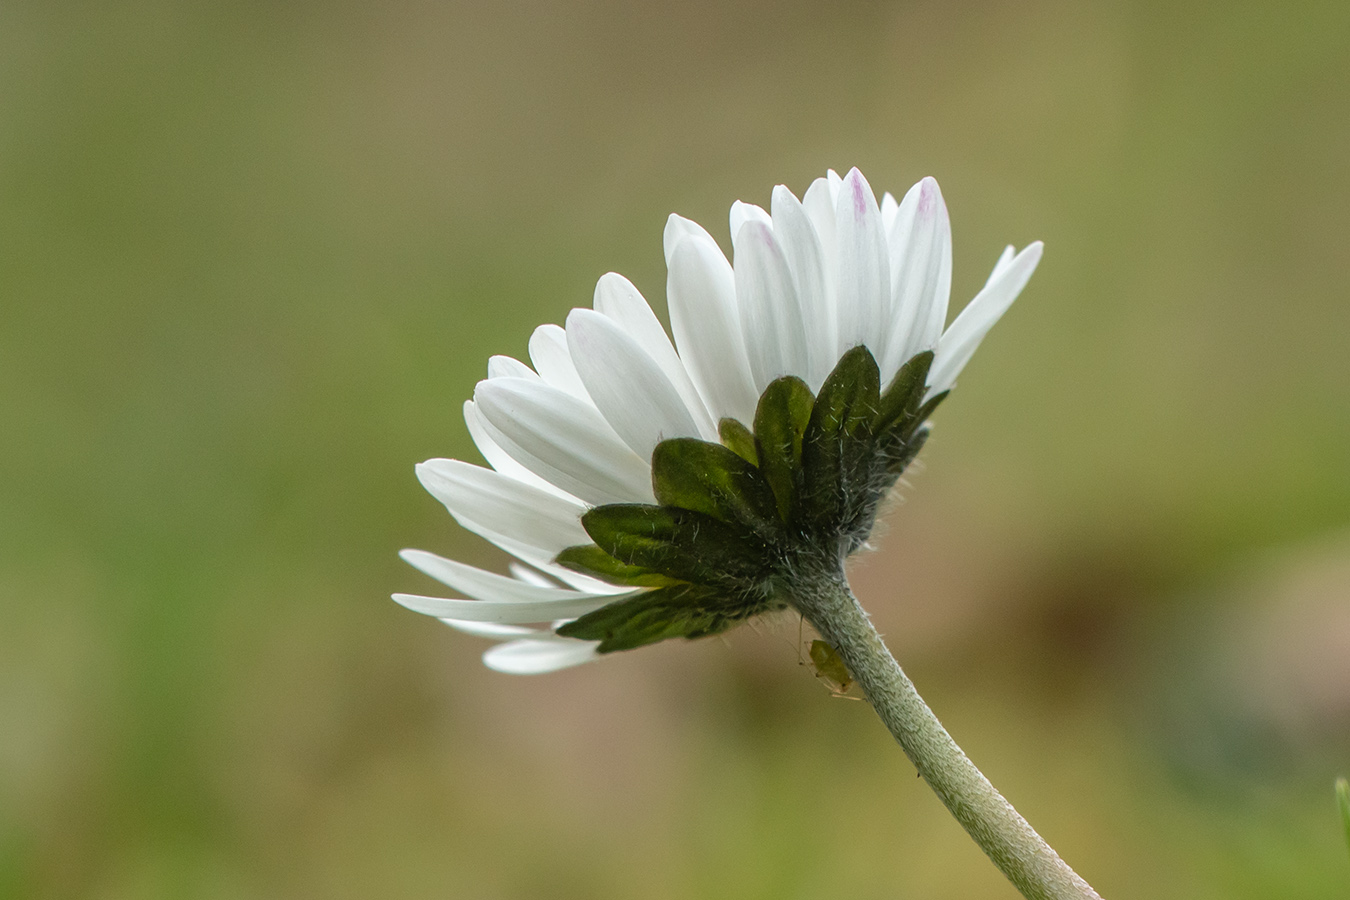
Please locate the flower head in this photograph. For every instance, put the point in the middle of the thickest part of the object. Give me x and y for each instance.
(652, 490)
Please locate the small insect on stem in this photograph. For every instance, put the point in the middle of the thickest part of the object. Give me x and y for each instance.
(831, 669)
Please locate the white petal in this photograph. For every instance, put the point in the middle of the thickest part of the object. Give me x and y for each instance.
(529, 576)
(564, 440)
(617, 298)
(701, 293)
(584, 583)
(483, 585)
(806, 260)
(499, 459)
(864, 269)
(959, 342)
(489, 503)
(677, 229)
(509, 367)
(535, 657)
(771, 315)
(543, 561)
(819, 206)
(493, 630)
(503, 611)
(746, 212)
(548, 352)
(836, 185)
(937, 290)
(921, 275)
(628, 387)
(896, 325)
(546, 474)
(1004, 259)
(889, 208)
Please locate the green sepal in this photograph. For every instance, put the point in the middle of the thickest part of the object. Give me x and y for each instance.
(739, 440)
(837, 446)
(905, 435)
(923, 413)
(905, 394)
(684, 610)
(850, 397)
(712, 479)
(908, 450)
(681, 543)
(780, 422)
(588, 559)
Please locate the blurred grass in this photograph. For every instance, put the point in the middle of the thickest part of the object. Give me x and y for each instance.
(253, 257)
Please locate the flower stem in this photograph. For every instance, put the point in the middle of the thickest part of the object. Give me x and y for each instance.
(1013, 845)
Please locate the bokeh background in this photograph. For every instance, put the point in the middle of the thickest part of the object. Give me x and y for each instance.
(253, 256)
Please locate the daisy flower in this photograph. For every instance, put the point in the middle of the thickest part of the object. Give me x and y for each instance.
(651, 488)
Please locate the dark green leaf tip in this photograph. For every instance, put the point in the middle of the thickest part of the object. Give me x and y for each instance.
(850, 397)
(739, 440)
(687, 611)
(839, 455)
(780, 422)
(924, 411)
(903, 397)
(588, 559)
(684, 544)
(712, 479)
(903, 453)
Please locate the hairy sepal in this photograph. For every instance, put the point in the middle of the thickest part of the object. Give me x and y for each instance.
(902, 399)
(739, 440)
(679, 611)
(906, 450)
(799, 491)
(712, 479)
(781, 418)
(838, 451)
(681, 543)
(589, 559)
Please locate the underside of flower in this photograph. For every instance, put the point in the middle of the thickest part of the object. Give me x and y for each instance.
(737, 522)
(650, 488)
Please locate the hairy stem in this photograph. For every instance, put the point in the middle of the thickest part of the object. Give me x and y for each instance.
(1014, 846)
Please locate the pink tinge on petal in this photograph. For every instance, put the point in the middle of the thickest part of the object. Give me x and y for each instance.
(860, 191)
(863, 271)
(928, 191)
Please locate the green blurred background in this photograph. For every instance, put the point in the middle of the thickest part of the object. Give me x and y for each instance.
(254, 255)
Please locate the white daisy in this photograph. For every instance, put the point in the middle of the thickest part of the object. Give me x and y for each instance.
(813, 279)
